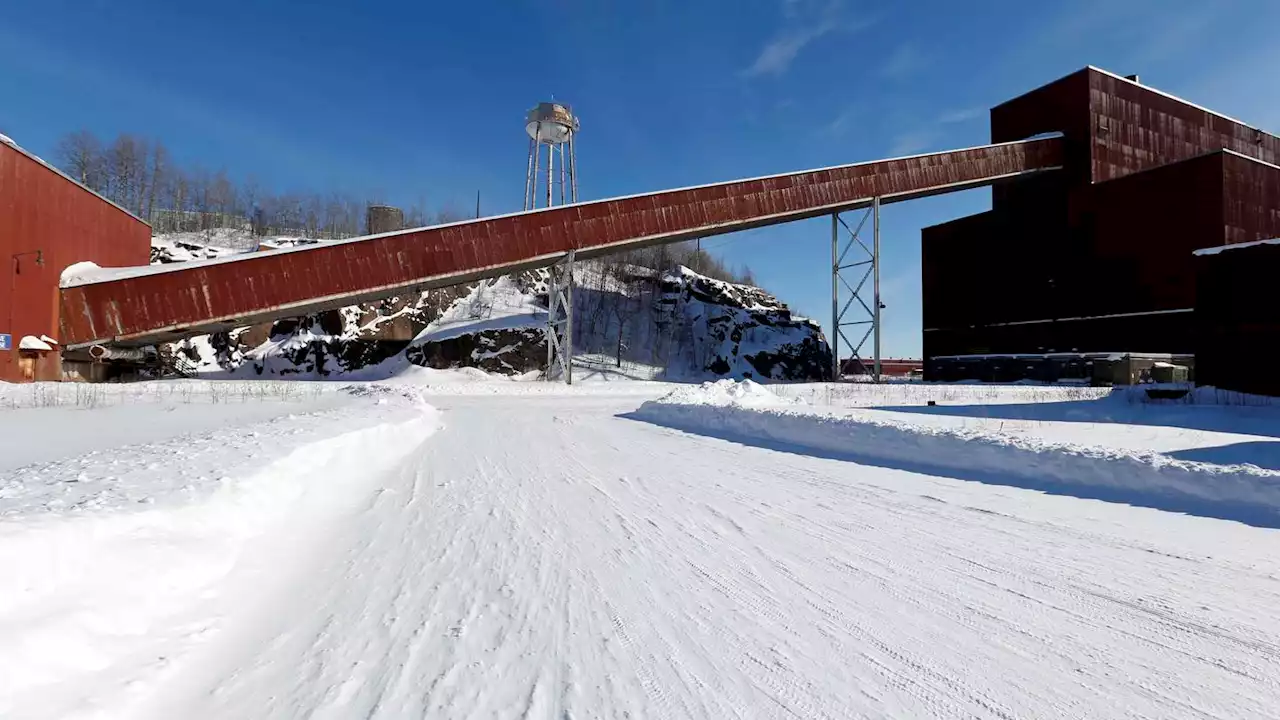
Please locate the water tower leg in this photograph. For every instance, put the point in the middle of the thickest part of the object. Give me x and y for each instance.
(551, 161)
(537, 157)
(529, 179)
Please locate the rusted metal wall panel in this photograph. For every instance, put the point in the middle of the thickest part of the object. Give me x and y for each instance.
(199, 297)
(48, 222)
(1156, 333)
(1238, 320)
(1135, 127)
(1141, 230)
(954, 277)
(1251, 199)
(1061, 106)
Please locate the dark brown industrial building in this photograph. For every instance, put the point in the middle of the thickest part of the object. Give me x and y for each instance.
(1238, 317)
(47, 222)
(1097, 258)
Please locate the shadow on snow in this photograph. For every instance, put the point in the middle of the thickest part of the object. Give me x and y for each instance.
(1257, 516)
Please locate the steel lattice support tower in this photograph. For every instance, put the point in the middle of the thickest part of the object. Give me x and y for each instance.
(870, 314)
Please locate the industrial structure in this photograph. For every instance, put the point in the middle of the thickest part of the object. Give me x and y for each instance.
(1102, 188)
(1096, 258)
(148, 305)
(48, 222)
(554, 127)
(380, 219)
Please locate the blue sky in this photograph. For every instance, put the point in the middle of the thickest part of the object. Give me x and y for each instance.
(421, 101)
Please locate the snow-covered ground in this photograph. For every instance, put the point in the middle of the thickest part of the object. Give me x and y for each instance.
(452, 546)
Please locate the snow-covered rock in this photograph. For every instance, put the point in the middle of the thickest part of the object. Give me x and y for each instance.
(171, 249)
(741, 331)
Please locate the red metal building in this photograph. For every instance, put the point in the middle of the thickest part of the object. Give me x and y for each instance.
(47, 222)
(1097, 258)
(889, 367)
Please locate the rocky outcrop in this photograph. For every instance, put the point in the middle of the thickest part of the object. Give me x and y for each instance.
(512, 351)
(743, 331)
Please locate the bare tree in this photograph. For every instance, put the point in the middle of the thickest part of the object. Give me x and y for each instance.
(158, 179)
(79, 154)
(126, 160)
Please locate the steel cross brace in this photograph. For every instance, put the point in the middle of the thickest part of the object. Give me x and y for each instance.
(560, 320)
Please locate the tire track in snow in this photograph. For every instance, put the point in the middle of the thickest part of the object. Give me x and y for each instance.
(599, 567)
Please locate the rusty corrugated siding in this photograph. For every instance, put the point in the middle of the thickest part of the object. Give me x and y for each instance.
(1113, 127)
(44, 215)
(1251, 199)
(956, 282)
(1060, 106)
(1136, 127)
(275, 284)
(1141, 230)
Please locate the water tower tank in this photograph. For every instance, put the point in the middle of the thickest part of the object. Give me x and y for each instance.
(551, 123)
(383, 218)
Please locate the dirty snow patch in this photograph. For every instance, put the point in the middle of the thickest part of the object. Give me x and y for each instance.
(31, 342)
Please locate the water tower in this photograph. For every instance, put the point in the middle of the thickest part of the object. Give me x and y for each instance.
(551, 126)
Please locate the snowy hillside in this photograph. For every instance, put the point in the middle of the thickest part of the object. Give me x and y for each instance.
(677, 324)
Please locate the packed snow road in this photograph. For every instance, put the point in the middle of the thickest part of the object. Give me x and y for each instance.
(523, 551)
(545, 557)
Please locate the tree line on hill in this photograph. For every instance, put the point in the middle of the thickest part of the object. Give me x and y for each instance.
(141, 176)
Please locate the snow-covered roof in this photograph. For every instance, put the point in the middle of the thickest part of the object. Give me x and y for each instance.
(1236, 246)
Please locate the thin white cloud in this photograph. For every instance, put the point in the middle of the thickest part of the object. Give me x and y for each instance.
(803, 23)
(910, 143)
(841, 123)
(776, 56)
(905, 60)
(954, 117)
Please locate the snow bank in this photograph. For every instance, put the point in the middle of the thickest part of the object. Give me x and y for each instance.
(102, 609)
(1243, 492)
(725, 393)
